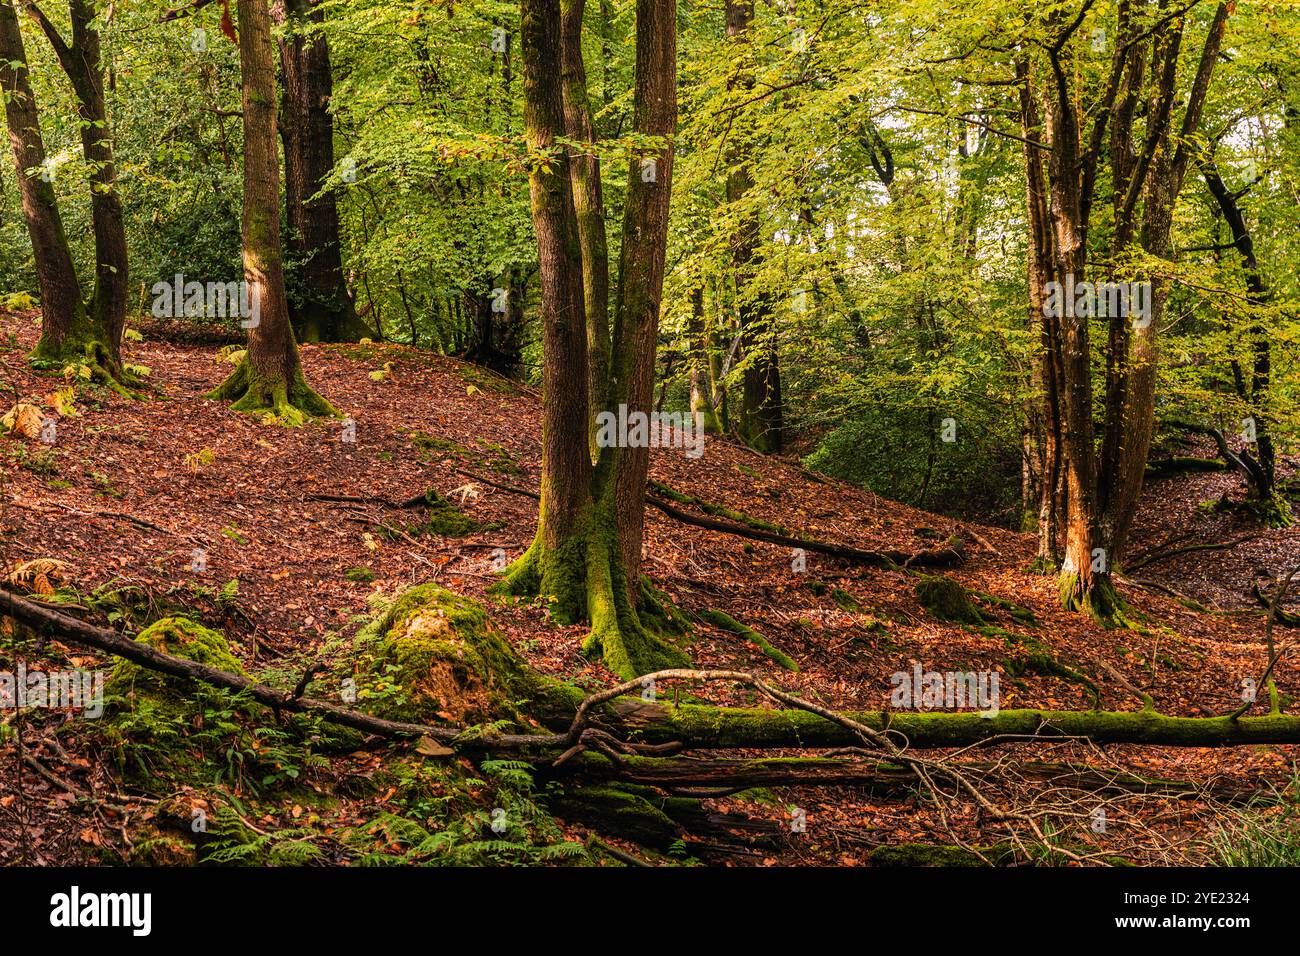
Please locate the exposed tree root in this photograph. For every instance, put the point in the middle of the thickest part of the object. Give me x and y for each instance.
(287, 402)
(729, 623)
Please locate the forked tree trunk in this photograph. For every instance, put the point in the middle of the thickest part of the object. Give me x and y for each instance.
(586, 555)
(270, 377)
(1100, 487)
(70, 331)
(326, 311)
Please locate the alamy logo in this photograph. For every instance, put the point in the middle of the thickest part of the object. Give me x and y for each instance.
(1102, 300)
(222, 300)
(73, 909)
(948, 690)
(76, 690)
(626, 429)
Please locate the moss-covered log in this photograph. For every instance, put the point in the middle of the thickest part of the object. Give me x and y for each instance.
(696, 726)
(951, 554)
(1181, 465)
(729, 775)
(704, 727)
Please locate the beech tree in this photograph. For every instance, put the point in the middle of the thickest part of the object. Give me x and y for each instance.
(323, 311)
(74, 328)
(586, 554)
(1092, 472)
(269, 379)
(762, 416)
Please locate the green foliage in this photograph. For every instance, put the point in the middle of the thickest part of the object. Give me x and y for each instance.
(454, 818)
(1267, 833)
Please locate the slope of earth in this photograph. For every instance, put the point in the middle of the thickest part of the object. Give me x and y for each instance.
(221, 515)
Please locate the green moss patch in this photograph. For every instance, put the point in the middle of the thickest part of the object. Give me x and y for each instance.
(947, 600)
(729, 623)
(180, 637)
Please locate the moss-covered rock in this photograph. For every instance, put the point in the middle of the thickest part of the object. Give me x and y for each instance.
(180, 637)
(947, 600)
(433, 656)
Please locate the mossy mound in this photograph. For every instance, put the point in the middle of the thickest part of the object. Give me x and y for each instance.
(433, 656)
(926, 854)
(947, 600)
(619, 810)
(180, 637)
(446, 519)
(443, 518)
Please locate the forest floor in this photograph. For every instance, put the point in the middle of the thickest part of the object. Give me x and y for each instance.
(131, 489)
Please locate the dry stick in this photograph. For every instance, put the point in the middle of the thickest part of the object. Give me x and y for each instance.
(1214, 546)
(117, 515)
(1274, 654)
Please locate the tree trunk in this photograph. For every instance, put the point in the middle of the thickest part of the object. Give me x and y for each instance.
(326, 312)
(70, 332)
(270, 377)
(586, 555)
(762, 416)
(1272, 508)
(700, 346)
(588, 205)
(1097, 498)
(1042, 465)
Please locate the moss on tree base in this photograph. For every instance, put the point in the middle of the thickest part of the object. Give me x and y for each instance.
(91, 356)
(583, 580)
(278, 401)
(1099, 600)
(1273, 511)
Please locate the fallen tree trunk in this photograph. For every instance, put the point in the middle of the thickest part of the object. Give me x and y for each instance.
(937, 558)
(695, 726)
(1178, 465)
(719, 728)
(722, 776)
